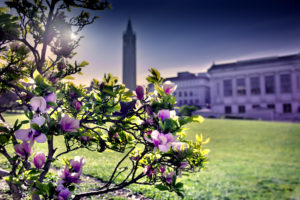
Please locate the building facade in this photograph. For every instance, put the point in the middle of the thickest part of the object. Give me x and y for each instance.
(129, 57)
(192, 89)
(267, 88)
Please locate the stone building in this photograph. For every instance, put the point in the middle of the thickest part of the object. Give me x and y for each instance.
(266, 88)
(129, 57)
(192, 89)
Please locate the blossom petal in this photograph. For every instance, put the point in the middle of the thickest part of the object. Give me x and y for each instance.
(38, 104)
(41, 138)
(38, 120)
(164, 148)
(23, 134)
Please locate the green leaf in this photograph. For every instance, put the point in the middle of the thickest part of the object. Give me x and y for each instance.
(161, 187)
(83, 63)
(52, 104)
(155, 73)
(179, 185)
(4, 138)
(69, 78)
(36, 73)
(179, 193)
(35, 126)
(16, 123)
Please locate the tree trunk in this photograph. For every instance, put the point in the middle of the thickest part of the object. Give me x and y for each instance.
(15, 192)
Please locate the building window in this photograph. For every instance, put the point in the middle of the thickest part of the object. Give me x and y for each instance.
(185, 94)
(255, 85)
(227, 88)
(185, 102)
(197, 101)
(285, 83)
(271, 106)
(180, 102)
(270, 84)
(255, 106)
(299, 109)
(174, 93)
(242, 109)
(287, 108)
(228, 109)
(191, 102)
(241, 86)
(180, 94)
(191, 93)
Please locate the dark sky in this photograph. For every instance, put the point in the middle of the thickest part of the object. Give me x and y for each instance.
(189, 35)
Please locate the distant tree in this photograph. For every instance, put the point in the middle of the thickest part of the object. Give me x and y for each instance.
(105, 116)
(187, 110)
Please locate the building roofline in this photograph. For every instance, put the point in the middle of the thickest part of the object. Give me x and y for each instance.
(254, 61)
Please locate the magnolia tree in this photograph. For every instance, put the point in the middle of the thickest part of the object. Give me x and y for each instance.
(104, 116)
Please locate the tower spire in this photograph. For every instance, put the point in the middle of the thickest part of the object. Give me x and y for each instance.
(129, 57)
(129, 28)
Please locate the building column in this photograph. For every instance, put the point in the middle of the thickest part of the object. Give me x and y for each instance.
(262, 88)
(277, 93)
(262, 84)
(294, 91)
(248, 88)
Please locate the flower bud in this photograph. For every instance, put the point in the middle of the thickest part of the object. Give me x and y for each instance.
(78, 105)
(169, 177)
(64, 194)
(139, 92)
(61, 66)
(169, 87)
(39, 160)
(164, 114)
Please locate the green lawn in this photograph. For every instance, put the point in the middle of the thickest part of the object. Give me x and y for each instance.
(248, 160)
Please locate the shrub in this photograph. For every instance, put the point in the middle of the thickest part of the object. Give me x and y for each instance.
(105, 116)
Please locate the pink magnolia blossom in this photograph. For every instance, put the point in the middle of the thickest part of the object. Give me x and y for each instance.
(23, 150)
(77, 164)
(40, 120)
(69, 177)
(169, 177)
(30, 135)
(160, 140)
(39, 160)
(51, 97)
(163, 114)
(139, 92)
(71, 173)
(162, 169)
(179, 146)
(78, 105)
(38, 104)
(148, 170)
(169, 87)
(69, 124)
(63, 193)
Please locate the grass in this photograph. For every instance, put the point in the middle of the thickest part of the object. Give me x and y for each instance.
(248, 160)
